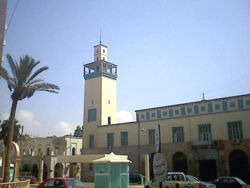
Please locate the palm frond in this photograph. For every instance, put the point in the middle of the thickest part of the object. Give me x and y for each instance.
(34, 81)
(36, 73)
(45, 86)
(13, 66)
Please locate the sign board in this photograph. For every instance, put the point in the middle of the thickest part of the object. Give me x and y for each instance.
(159, 167)
(157, 139)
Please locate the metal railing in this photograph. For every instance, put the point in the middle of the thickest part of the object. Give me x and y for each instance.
(19, 184)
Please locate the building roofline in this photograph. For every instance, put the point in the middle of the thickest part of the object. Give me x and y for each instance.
(131, 122)
(101, 45)
(195, 102)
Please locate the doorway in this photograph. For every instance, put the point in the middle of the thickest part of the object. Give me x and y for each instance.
(208, 170)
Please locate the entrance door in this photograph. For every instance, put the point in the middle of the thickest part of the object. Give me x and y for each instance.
(238, 163)
(208, 170)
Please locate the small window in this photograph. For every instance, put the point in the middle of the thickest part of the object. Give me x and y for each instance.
(108, 101)
(153, 114)
(151, 136)
(203, 108)
(109, 120)
(147, 116)
(159, 114)
(235, 130)
(97, 58)
(103, 58)
(217, 106)
(171, 112)
(183, 111)
(110, 140)
(91, 141)
(248, 102)
(91, 115)
(176, 112)
(124, 138)
(142, 116)
(103, 51)
(164, 113)
(210, 107)
(224, 105)
(232, 104)
(189, 110)
(196, 109)
(240, 103)
(97, 51)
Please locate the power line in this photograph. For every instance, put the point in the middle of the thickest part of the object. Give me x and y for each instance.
(12, 15)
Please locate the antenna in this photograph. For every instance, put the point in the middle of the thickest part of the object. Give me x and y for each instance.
(100, 35)
(203, 96)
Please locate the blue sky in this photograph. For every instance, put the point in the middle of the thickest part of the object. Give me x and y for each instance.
(167, 52)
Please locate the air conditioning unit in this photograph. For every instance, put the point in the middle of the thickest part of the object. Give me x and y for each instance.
(235, 141)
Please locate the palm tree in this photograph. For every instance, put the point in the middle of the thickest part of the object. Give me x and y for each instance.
(22, 84)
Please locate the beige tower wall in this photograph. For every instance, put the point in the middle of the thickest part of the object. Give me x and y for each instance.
(108, 101)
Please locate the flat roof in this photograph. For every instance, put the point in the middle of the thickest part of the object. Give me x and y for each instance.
(195, 102)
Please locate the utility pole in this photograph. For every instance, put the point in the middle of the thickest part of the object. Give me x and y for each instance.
(3, 12)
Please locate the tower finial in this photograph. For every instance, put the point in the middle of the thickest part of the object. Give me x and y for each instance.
(100, 35)
(203, 96)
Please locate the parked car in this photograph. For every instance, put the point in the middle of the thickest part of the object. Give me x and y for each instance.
(201, 183)
(62, 183)
(229, 182)
(136, 179)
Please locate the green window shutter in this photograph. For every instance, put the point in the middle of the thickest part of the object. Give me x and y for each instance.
(148, 116)
(159, 114)
(248, 102)
(164, 113)
(210, 107)
(240, 130)
(217, 106)
(230, 131)
(196, 109)
(224, 105)
(232, 104)
(240, 104)
(170, 112)
(176, 112)
(183, 111)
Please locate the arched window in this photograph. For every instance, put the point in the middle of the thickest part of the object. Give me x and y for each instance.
(73, 151)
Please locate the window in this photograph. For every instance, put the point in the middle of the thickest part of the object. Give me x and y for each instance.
(103, 51)
(109, 120)
(189, 110)
(203, 108)
(91, 115)
(103, 58)
(108, 101)
(164, 113)
(97, 51)
(205, 133)
(91, 141)
(224, 105)
(176, 112)
(240, 103)
(183, 111)
(151, 136)
(153, 114)
(110, 140)
(142, 116)
(48, 151)
(217, 106)
(232, 104)
(196, 109)
(235, 130)
(210, 107)
(147, 116)
(171, 112)
(159, 114)
(124, 138)
(248, 102)
(49, 183)
(178, 134)
(97, 58)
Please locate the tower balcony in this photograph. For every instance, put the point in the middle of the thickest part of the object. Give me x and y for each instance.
(100, 68)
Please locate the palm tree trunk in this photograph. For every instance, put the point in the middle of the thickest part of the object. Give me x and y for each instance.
(9, 140)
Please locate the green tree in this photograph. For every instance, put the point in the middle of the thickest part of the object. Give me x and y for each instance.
(78, 131)
(22, 84)
(4, 131)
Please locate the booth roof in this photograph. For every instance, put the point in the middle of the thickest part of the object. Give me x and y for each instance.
(113, 158)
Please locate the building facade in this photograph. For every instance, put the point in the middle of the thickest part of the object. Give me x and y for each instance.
(206, 138)
(49, 149)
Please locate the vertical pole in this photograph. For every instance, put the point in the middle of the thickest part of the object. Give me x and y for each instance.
(147, 174)
(3, 12)
(139, 143)
(40, 172)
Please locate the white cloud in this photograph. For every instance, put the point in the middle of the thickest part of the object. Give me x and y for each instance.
(63, 128)
(4, 116)
(124, 116)
(31, 125)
